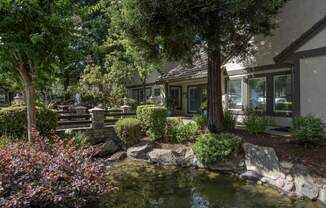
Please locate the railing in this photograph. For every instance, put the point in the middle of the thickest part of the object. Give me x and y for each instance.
(94, 118)
(111, 117)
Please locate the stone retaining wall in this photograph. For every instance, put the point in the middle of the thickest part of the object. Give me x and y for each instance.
(260, 164)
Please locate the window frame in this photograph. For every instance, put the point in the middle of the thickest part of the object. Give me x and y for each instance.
(266, 92)
(179, 88)
(241, 94)
(273, 88)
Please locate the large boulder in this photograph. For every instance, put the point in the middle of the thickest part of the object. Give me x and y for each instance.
(183, 156)
(304, 183)
(118, 156)
(262, 160)
(322, 195)
(139, 151)
(108, 148)
(163, 157)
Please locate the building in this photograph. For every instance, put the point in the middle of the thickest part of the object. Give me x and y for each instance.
(285, 78)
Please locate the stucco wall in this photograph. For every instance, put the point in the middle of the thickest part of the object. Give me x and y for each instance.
(294, 19)
(316, 42)
(312, 84)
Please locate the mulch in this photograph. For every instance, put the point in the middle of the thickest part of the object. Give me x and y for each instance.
(313, 157)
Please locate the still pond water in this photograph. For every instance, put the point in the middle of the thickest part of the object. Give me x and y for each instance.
(147, 186)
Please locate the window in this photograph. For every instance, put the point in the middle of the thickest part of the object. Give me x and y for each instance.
(138, 94)
(234, 93)
(282, 93)
(157, 92)
(175, 95)
(257, 94)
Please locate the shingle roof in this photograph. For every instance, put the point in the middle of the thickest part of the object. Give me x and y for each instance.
(182, 72)
(314, 30)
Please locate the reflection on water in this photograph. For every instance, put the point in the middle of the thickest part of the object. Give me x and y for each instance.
(148, 186)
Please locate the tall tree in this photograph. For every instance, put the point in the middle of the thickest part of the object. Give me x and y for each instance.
(179, 29)
(31, 34)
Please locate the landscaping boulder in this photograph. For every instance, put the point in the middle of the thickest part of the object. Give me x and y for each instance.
(139, 151)
(304, 183)
(118, 156)
(262, 160)
(322, 195)
(250, 175)
(182, 156)
(108, 148)
(163, 157)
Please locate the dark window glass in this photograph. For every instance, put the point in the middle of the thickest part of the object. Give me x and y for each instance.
(257, 94)
(283, 93)
(234, 94)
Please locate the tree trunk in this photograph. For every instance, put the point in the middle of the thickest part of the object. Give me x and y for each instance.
(214, 88)
(26, 71)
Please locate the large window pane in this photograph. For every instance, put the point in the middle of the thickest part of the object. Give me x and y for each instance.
(257, 94)
(282, 93)
(175, 95)
(234, 92)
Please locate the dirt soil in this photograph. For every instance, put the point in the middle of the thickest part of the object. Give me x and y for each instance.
(313, 157)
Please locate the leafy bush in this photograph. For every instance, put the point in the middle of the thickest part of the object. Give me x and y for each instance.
(5, 141)
(186, 132)
(210, 148)
(128, 130)
(153, 120)
(308, 129)
(79, 139)
(229, 121)
(172, 126)
(13, 121)
(201, 121)
(50, 175)
(255, 123)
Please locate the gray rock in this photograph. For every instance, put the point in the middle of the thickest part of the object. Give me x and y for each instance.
(183, 157)
(139, 151)
(304, 183)
(262, 160)
(108, 148)
(118, 156)
(163, 157)
(322, 195)
(250, 175)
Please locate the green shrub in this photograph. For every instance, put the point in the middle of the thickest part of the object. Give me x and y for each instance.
(256, 124)
(13, 121)
(80, 139)
(308, 129)
(201, 121)
(229, 121)
(153, 120)
(172, 126)
(186, 132)
(5, 141)
(210, 148)
(128, 130)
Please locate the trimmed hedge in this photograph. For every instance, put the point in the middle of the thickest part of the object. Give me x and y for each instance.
(309, 129)
(153, 120)
(13, 121)
(210, 148)
(128, 130)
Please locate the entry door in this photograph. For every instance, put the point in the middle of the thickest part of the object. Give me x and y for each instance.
(194, 100)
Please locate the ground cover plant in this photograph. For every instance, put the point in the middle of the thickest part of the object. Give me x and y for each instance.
(309, 129)
(210, 148)
(255, 123)
(52, 174)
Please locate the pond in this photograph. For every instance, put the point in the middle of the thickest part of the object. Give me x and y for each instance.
(142, 185)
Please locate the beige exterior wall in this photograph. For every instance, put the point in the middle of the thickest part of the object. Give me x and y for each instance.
(312, 86)
(294, 19)
(318, 41)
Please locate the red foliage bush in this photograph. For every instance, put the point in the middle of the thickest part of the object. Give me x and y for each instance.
(50, 175)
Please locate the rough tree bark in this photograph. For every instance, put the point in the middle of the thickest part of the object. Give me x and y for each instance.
(25, 69)
(215, 107)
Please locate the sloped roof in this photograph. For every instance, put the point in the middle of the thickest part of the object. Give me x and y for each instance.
(305, 37)
(181, 72)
